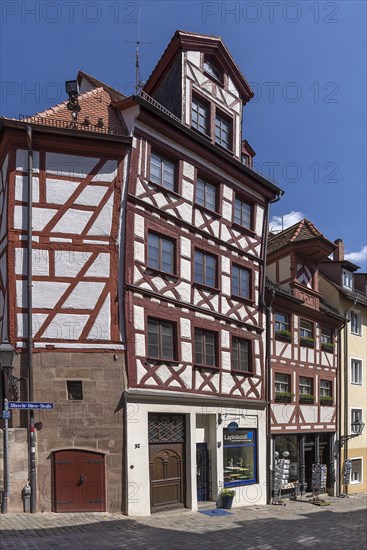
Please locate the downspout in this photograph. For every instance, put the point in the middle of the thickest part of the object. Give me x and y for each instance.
(31, 435)
(267, 349)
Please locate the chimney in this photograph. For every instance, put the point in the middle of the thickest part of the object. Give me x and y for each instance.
(338, 254)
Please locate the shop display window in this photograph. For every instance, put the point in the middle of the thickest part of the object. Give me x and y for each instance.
(239, 457)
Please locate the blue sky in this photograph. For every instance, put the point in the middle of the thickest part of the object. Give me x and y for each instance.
(306, 62)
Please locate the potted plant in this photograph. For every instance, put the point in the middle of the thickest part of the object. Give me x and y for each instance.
(326, 400)
(284, 396)
(306, 398)
(283, 334)
(307, 341)
(328, 346)
(226, 498)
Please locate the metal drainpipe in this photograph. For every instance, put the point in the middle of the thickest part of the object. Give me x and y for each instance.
(31, 435)
(6, 492)
(267, 350)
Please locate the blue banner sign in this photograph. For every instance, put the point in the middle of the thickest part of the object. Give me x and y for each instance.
(27, 405)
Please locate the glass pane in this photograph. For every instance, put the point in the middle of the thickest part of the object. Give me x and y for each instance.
(209, 349)
(199, 347)
(200, 192)
(155, 168)
(153, 251)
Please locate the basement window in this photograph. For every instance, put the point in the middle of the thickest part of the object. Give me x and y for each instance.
(75, 390)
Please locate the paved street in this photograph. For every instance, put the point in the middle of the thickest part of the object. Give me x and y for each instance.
(342, 525)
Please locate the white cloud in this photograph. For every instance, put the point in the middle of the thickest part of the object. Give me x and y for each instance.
(276, 223)
(359, 258)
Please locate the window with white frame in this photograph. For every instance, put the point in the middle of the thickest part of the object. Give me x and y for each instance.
(355, 323)
(355, 414)
(282, 323)
(347, 279)
(356, 474)
(162, 172)
(326, 335)
(242, 213)
(223, 131)
(305, 385)
(200, 115)
(282, 382)
(325, 388)
(356, 372)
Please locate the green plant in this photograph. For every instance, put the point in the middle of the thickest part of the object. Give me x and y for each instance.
(327, 400)
(306, 340)
(328, 346)
(306, 397)
(283, 333)
(227, 493)
(282, 395)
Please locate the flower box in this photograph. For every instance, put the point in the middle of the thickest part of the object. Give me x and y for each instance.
(284, 396)
(285, 335)
(327, 401)
(307, 342)
(306, 398)
(327, 347)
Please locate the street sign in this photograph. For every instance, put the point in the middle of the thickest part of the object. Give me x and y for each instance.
(6, 415)
(29, 405)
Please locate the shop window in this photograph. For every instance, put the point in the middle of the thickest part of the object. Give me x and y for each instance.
(205, 269)
(162, 172)
(239, 457)
(74, 390)
(161, 336)
(242, 213)
(286, 446)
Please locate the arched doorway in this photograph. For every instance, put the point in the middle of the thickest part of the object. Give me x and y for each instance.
(79, 481)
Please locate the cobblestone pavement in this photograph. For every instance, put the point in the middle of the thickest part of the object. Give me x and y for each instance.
(341, 525)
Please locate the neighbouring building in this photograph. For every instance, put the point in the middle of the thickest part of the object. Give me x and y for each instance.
(304, 354)
(149, 230)
(346, 289)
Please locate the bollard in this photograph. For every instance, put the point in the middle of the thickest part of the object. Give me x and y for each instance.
(27, 497)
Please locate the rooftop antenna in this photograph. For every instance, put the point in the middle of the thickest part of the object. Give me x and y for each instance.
(138, 82)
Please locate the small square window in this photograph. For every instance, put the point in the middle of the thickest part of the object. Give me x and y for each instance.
(356, 473)
(305, 385)
(282, 382)
(75, 390)
(325, 388)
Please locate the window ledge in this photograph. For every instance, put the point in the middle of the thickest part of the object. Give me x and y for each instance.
(224, 148)
(164, 189)
(158, 272)
(247, 301)
(242, 372)
(243, 229)
(199, 366)
(213, 289)
(212, 213)
(283, 338)
(154, 361)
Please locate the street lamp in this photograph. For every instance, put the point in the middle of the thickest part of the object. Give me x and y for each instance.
(357, 429)
(7, 355)
(72, 89)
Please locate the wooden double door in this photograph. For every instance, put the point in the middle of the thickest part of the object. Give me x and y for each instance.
(79, 481)
(166, 462)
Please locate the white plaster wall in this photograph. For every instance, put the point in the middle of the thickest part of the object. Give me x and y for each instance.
(21, 188)
(22, 160)
(69, 165)
(40, 262)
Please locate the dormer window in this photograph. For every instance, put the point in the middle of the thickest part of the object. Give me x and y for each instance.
(200, 115)
(347, 279)
(212, 70)
(246, 160)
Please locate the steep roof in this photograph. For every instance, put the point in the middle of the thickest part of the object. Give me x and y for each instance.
(114, 94)
(302, 231)
(185, 40)
(94, 104)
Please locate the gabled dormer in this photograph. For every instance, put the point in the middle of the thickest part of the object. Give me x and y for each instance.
(197, 80)
(340, 270)
(293, 259)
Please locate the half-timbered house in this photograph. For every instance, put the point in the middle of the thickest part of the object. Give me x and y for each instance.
(148, 235)
(304, 354)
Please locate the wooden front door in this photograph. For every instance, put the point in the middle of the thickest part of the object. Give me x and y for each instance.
(166, 461)
(79, 481)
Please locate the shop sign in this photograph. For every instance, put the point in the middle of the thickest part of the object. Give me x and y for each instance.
(232, 427)
(238, 437)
